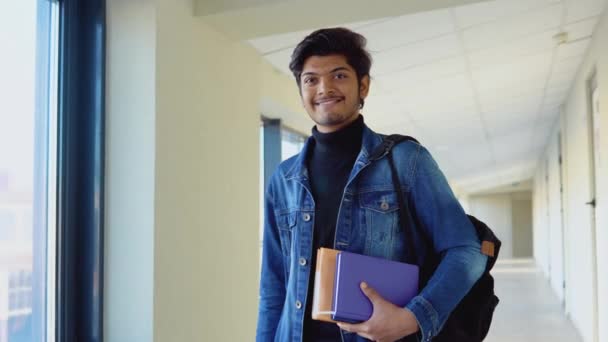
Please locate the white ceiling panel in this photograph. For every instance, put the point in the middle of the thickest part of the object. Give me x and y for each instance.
(274, 43)
(495, 118)
(531, 79)
(549, 110)
(278, 42)
(518, 70)
(549, 114)
(445, 118)
(407, 29)
(414, 76)
(441, 113)
(520, 105)
(573, 49)
(380, 105)
(580, 9)
(552, 101)
(443, 158)
(513, 155)
(542, 132)
(502, 125)
(483, 12)
(509, 93)
(447, 91)
(455, 132)
(512, 28)
(581, 29)
(518, 139)
(505, 98)
(437, 110)
(386, 122)
(561, 79)
(415, 54)
(558, 91)
(406, 128)
(473, 157)
(280, 60)
(505, 53)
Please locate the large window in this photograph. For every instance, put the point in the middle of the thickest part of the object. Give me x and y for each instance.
(28, 125)
(51, 168)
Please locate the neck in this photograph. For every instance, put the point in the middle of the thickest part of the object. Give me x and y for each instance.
(335, 128)
(347, 138)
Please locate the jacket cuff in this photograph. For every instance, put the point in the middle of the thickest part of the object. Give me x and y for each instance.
(426, 315)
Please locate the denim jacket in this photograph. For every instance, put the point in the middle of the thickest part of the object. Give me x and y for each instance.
(367, 224)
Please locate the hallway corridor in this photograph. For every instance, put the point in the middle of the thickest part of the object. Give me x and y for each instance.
(528, 310)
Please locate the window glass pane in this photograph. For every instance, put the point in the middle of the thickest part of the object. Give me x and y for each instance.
(28, 67)
(291, 143)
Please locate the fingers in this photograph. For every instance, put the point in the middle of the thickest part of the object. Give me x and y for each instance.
(349, 327)
(370, 293)
(360, 329)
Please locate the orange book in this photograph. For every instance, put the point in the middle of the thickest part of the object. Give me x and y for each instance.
(324, 284)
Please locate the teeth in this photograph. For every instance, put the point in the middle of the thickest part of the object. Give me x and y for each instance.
(328, 101)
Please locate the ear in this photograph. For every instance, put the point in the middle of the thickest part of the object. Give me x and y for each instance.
(364, 86)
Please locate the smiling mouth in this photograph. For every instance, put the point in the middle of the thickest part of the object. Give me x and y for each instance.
(328, 101)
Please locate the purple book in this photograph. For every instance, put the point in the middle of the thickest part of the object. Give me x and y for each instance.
(396, 282)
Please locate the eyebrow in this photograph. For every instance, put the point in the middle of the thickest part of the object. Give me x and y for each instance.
(332, 71)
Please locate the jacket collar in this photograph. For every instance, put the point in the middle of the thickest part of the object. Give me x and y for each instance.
(369, 142)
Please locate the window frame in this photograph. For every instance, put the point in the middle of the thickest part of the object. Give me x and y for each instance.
(80, 170)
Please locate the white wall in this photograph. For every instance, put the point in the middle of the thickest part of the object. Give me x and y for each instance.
(495, 211)
(509, 215)
(130, 178)
(583, 282)
(522, 225)
(207, 169)
(182, 244)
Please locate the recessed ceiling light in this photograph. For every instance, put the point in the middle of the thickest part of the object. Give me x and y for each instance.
(561, 38)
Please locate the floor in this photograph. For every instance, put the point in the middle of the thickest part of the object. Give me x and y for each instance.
(528, 309)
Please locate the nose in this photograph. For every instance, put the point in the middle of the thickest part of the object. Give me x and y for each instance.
(326, 86)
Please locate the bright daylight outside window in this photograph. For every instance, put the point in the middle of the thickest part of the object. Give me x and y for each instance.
(28, 32)
(291, 143)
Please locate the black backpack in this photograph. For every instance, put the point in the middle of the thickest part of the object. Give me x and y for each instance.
(470, 320)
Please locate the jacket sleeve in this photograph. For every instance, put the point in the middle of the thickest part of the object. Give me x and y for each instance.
(453, 236)
(272, 280)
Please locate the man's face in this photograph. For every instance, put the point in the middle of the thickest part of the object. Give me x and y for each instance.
(330, 91)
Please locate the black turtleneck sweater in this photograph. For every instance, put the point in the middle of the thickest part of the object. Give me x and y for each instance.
(329, 161)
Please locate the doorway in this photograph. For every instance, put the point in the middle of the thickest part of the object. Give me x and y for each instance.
(594, 140)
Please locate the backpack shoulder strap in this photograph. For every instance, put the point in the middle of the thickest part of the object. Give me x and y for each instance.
(405, 219)
(388, 143)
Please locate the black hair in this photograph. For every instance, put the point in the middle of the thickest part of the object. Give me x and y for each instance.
(333, 41)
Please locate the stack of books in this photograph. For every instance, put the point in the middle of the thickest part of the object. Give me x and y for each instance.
(337, 293)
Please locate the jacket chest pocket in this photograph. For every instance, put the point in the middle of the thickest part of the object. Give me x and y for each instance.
(286, 222)
(381, 224)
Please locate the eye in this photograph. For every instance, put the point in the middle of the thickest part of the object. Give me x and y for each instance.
(340, 76)
(309, 80)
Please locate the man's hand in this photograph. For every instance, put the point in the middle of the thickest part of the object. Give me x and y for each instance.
(388, 322)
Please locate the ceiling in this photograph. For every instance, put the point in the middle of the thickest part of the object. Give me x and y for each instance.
(480, 84)
(248, 19)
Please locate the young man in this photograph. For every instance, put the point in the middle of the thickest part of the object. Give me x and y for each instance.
(332, 195)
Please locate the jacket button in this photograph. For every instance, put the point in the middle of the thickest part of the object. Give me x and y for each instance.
(302, 261)
(384, 206)
(306, 217)
(298, 304)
